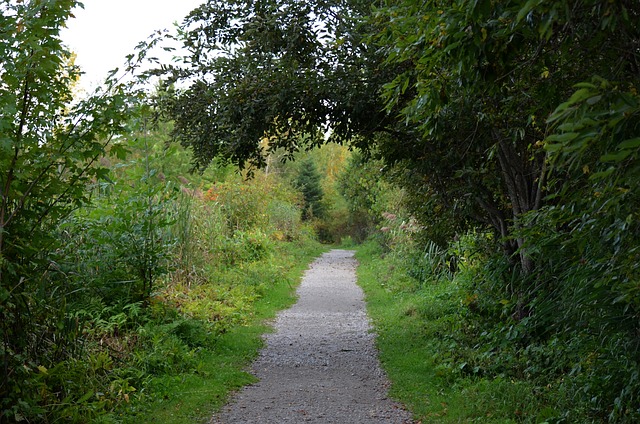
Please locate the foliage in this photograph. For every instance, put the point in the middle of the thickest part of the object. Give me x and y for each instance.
(49, 151)
(92, 243)
(220, 367)
(274, 69)
(510, 127)
(467, 88)
(511, 124)
(328, 161)
(308, 182)
(367, 194)
(574, 351)
(121, 245)
(145, 277)
(285, 218)
(427, 347)
(587, 290)
(480, 79)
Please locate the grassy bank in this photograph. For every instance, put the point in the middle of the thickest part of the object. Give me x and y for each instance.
(219, 366)
(424, 337)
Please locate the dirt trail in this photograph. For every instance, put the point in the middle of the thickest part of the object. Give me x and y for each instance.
(320, 365)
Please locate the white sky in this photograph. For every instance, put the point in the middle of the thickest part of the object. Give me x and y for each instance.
(105, 31)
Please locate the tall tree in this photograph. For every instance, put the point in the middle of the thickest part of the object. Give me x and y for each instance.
(480, 79)
(308, 182)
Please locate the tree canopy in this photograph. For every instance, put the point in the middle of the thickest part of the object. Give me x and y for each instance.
(455, 96)
(292, 71)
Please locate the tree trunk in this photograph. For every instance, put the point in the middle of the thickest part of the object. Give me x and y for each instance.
(523, 180)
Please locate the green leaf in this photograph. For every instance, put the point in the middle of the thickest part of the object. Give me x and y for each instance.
(546, 28)
(564, 137)
(616, 157)
(528, 7)
(552, 148)
(452, 46)
(85, 397)
(561, 111)
(632, 143)
(405, 85)
(119, 151)
(593, 100)
(602, 174)
(585, 85)
(103, 174)
(580, 95)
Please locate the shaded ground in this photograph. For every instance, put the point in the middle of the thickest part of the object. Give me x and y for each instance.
(320, 365)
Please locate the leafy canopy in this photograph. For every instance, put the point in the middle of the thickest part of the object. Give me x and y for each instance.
(292, 71)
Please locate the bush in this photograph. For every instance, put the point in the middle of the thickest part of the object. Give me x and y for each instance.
(284, 219)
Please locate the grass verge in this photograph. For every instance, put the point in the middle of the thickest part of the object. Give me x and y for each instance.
(421, 332)
(219, 368)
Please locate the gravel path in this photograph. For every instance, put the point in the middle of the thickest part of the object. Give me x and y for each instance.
(320, 365)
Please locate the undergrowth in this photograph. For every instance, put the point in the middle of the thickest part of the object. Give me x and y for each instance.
(216, 355)
(154, 295)
(428, 344)
(459, 346)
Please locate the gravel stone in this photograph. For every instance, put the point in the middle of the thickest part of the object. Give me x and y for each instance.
(320, 365)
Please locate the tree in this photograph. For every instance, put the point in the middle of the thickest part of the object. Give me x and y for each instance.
(529, 119)
(286, 69)
(308, 182)
(49, 147)
(363, 189)
(480, 78)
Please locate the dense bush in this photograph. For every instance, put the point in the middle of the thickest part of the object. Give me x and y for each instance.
(572, 345)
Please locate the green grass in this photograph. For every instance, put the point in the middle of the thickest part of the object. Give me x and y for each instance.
(195, 396)
(421, 331)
